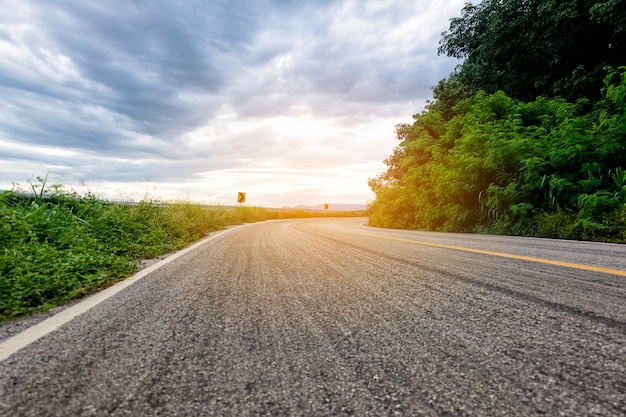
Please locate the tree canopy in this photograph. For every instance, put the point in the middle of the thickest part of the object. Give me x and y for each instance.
(528, 136)
(531, 48)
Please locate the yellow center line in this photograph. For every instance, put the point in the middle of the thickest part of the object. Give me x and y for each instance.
(501, 254)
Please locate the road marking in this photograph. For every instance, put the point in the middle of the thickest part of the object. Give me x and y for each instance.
(501, 254)
(14, 343)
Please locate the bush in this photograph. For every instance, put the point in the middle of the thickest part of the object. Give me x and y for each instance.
(502, 165)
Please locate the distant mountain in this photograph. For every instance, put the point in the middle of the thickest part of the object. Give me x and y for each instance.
(331, 207)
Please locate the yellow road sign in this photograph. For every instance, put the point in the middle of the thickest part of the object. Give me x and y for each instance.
(241, 197)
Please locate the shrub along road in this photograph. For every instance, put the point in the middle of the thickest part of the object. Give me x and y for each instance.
(328, 317)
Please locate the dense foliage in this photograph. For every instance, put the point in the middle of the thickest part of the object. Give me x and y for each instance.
(528, 135)
(56, 246)
(546, 167)
(532, 48)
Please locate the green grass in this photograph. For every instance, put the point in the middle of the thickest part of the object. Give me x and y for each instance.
(56, 246)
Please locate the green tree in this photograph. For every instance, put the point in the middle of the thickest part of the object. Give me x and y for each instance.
(530, 48)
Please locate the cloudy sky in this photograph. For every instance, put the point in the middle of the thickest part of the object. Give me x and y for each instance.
(291, 101)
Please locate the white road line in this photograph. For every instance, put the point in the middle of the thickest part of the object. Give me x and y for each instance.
(30, 335)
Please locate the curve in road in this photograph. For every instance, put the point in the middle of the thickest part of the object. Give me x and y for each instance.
(312, 317)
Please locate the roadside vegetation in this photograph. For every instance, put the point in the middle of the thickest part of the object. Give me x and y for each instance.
(56, 246)
(527, 136)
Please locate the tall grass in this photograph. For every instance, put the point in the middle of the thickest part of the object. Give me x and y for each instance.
(56, 246)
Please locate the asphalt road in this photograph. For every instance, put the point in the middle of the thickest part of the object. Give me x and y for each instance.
(329, 317)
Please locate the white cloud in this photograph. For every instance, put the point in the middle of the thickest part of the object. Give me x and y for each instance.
(293, 102)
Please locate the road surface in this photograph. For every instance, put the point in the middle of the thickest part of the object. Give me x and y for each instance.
(331, 317)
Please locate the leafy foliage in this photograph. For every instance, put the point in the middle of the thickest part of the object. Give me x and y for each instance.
(532, 48)
(547, 167)
(527, 135)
